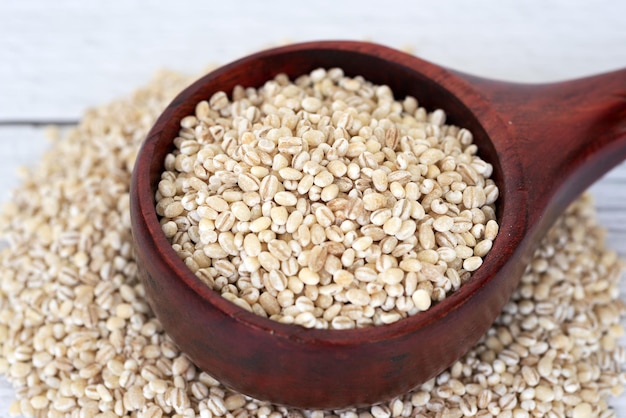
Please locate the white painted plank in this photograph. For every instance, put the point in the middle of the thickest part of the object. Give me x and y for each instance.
(20, 146)
(57, 58)
(6, 397)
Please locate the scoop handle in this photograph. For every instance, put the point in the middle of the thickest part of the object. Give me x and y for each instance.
(567, 135)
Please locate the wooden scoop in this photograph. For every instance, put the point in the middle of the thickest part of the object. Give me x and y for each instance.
(547, 144)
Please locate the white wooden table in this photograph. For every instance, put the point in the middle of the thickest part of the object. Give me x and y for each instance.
(57, 58)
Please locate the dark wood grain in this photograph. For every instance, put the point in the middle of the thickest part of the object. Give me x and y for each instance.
(546, 143)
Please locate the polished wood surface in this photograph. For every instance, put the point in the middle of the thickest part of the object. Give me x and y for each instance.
(547, 144)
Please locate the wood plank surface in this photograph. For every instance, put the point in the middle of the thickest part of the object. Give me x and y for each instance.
(58, 58)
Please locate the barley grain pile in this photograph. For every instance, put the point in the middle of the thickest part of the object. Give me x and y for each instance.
(77, 338)
(325, 202)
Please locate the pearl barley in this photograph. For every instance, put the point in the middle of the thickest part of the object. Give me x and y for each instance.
(327, 181)
(57, 323)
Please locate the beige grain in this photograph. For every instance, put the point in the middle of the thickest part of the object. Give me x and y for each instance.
(572, 269)
(404, 179)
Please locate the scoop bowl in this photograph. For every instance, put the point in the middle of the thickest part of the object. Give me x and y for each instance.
(547, 143)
